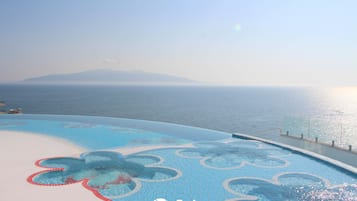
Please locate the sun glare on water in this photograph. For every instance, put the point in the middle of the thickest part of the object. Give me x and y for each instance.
(344, 100)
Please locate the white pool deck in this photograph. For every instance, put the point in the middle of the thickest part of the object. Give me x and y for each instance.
(19, 151)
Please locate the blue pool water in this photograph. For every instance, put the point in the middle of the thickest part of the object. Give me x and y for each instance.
(214, 167)
(102, 133)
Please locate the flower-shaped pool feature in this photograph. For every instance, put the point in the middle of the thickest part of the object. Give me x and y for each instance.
(292, 187)
(109, 175)
(235, 154)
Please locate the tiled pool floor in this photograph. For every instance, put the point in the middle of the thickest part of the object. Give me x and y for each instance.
(178, 163)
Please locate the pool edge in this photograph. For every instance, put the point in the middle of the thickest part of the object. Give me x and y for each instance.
(326, 159)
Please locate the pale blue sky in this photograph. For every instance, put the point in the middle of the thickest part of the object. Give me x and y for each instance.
(234, 42)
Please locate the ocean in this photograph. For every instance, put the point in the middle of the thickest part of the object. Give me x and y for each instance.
(330, 113)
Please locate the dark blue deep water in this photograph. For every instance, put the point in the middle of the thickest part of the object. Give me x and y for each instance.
(328, 113)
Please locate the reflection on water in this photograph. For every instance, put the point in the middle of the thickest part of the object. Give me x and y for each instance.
(335, 117)
(251, 110)
(293, 187)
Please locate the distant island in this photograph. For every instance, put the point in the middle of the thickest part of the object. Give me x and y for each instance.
(111, 77)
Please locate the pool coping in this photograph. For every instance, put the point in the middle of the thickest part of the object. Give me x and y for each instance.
(329, 160)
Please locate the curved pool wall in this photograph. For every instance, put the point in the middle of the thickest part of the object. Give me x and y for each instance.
(214, 167)
(324, 159)
(87, 135)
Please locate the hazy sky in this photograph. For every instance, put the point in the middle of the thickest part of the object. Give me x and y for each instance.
(239, 42)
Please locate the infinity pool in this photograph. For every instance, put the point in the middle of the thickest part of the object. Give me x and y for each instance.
(134, 160)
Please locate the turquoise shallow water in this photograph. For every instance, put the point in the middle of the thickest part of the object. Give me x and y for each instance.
(216, 166)
(103, 133)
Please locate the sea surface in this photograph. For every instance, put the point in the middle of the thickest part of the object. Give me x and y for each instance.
(329, 113)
